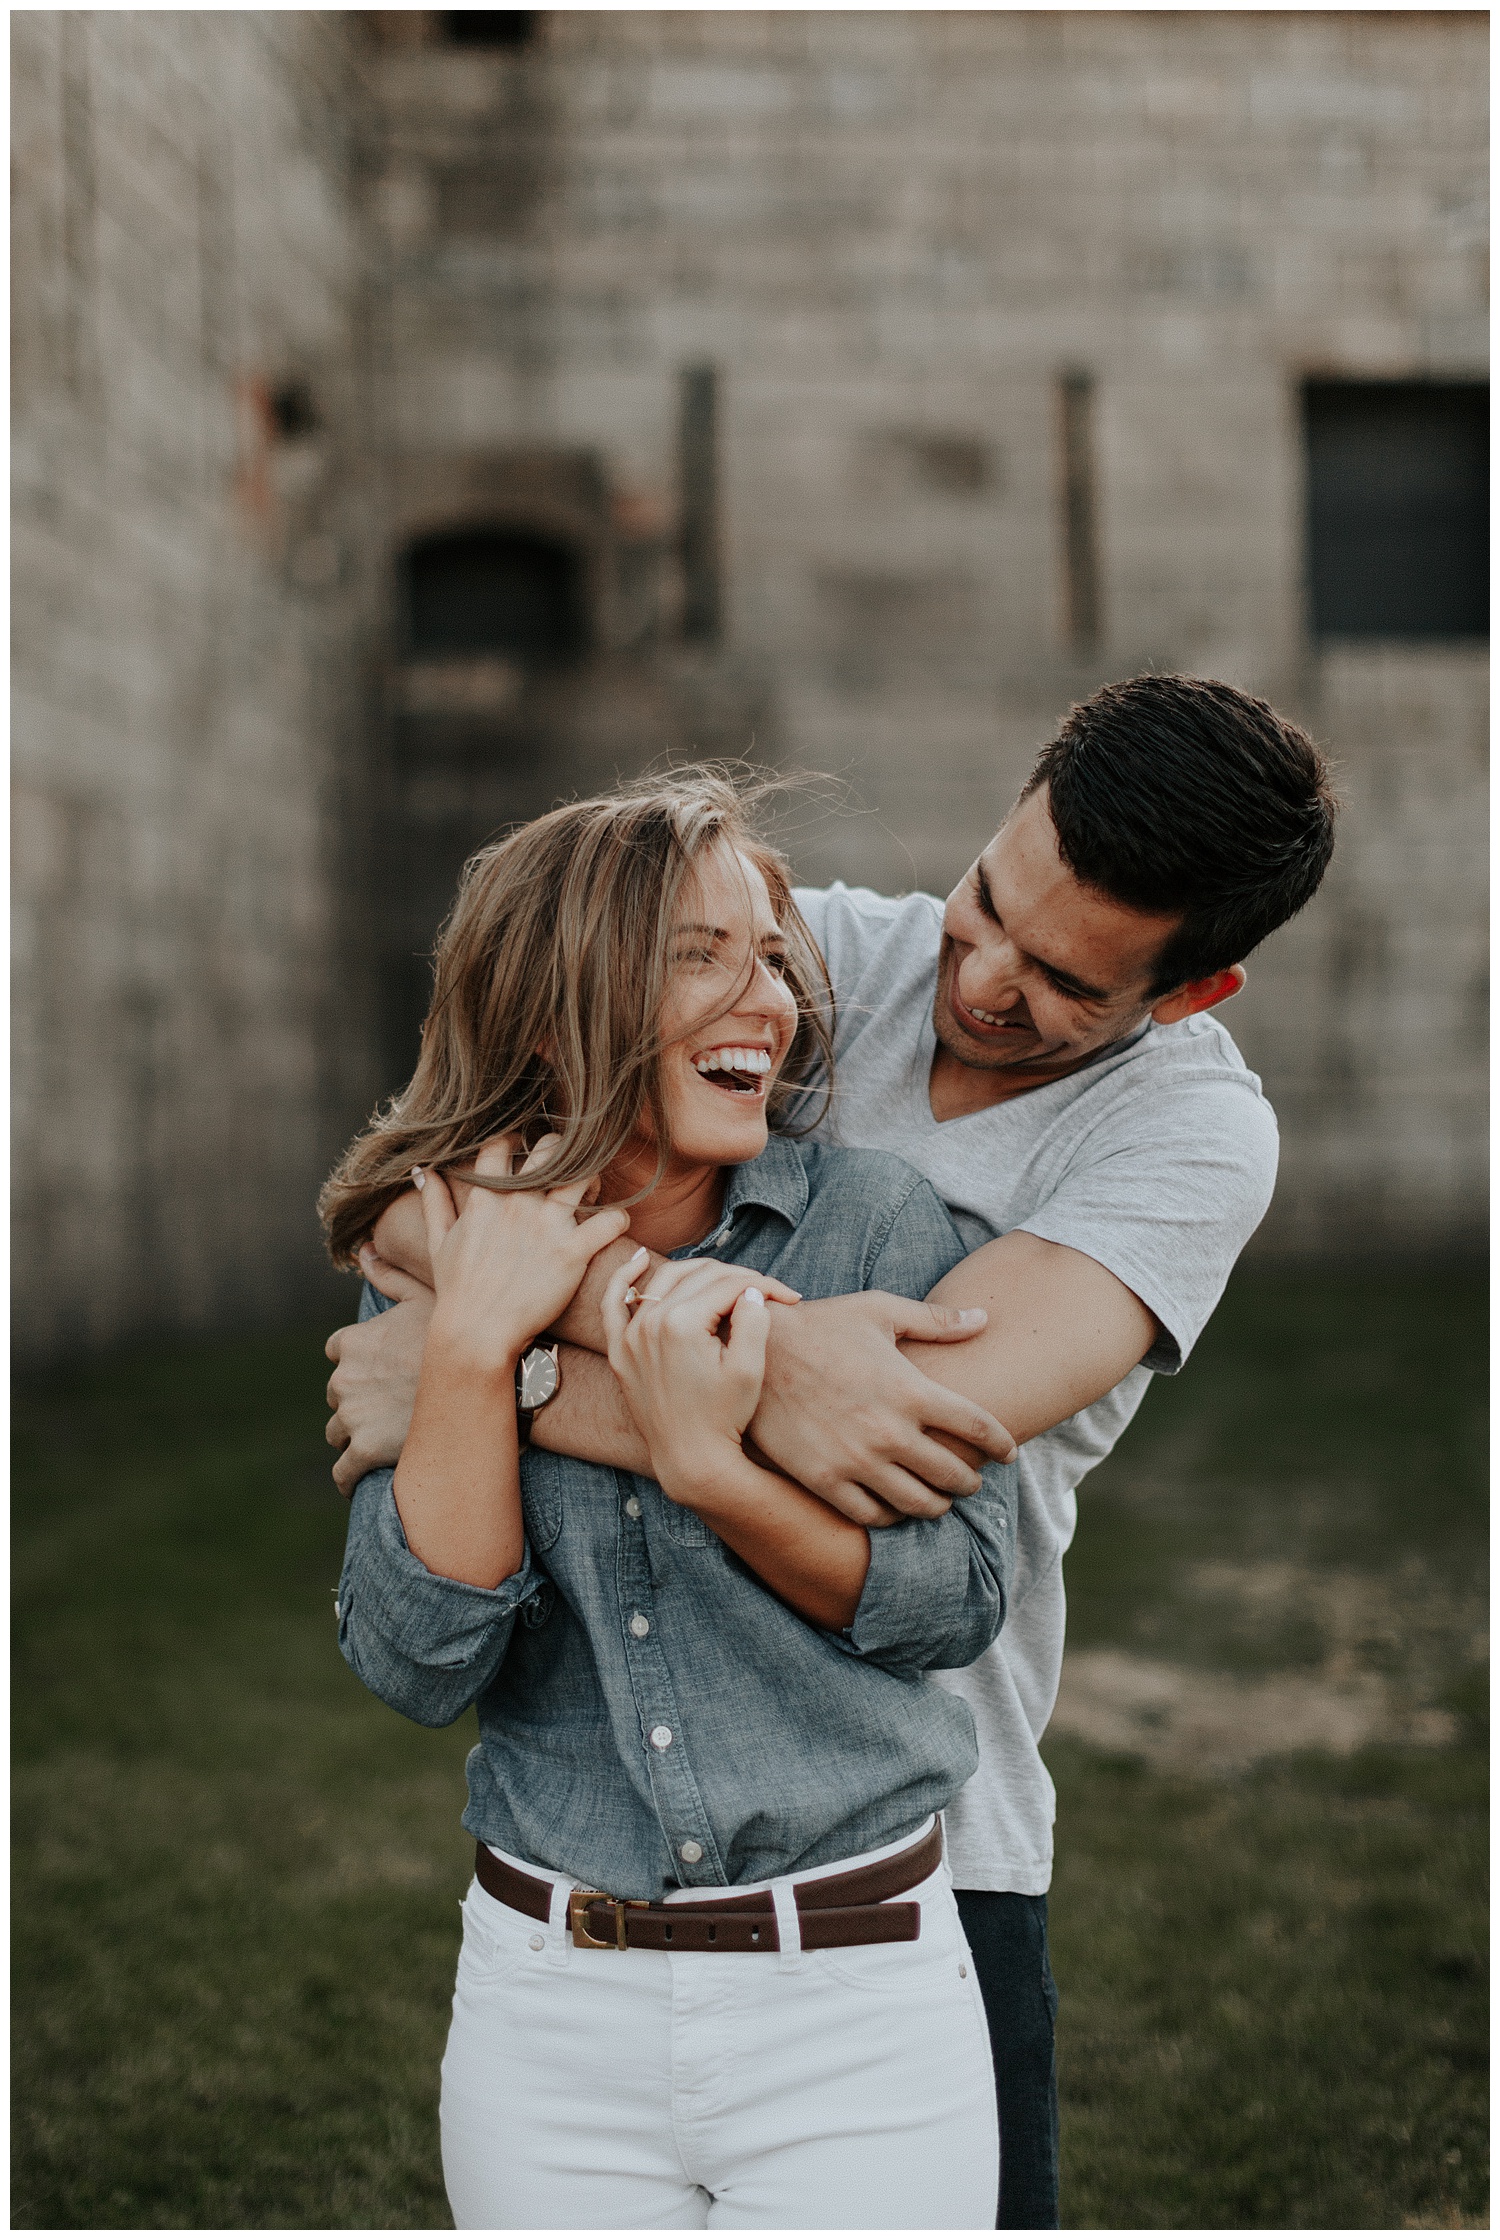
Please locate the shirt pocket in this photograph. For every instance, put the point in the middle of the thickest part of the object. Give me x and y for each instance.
(684, 1527)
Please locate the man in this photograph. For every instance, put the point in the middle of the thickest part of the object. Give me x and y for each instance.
(1041, 1048)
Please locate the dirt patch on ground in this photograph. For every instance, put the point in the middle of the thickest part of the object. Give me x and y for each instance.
(1209, 1722)
(1389, 1645)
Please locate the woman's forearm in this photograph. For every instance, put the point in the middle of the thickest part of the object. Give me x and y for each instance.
(458, 1486)
(805, 1552)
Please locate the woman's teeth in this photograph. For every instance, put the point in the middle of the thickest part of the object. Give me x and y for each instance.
(734, 1061)
(746, 1068)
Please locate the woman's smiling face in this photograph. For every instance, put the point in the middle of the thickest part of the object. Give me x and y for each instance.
(729, 1016)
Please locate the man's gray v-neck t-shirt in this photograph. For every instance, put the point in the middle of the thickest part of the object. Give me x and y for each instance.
(1158, 1161)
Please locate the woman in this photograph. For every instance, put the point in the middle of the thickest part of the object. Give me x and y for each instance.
(701, 1692)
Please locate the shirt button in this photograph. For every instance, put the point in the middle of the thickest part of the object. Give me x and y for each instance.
(661, 1738)
(536, 1943)
(633, 1506)
(691, 1851)
(640, 1626)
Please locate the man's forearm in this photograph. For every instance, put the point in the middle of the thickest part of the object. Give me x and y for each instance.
(1062, 1331)
(581, 1322)
(589, 1418)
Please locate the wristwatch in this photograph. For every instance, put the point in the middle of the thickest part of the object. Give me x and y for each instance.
(537, 1379)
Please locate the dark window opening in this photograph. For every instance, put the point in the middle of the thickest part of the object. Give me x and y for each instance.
(698, 444)
(489, 27)
(1398, 508)
(495, 592)
(293, 410)
(1080, 526)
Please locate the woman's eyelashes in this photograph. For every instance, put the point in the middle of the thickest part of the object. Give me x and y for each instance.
(775, 960)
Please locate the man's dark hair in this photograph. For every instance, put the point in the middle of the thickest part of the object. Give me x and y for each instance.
(1179, 794)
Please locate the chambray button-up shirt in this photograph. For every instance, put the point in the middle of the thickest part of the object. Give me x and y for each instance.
(650, 1715)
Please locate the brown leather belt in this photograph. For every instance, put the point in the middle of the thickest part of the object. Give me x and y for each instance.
(840, 1909)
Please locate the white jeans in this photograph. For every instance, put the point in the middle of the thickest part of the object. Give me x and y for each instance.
(812, 2091)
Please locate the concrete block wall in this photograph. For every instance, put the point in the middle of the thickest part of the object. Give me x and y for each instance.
(1368, 1016)
(192, 634)
(283, 279)
(894, 233)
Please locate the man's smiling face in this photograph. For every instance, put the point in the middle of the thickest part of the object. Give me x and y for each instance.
(1037, 971)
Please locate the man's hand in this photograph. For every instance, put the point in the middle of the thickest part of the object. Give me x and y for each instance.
(847, 1408)
(844, 1413)
(374, 1382)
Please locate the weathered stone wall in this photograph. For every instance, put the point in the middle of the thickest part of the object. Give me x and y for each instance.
(293, 288)
(895, 234)
(192, 634)
(1368, 1017)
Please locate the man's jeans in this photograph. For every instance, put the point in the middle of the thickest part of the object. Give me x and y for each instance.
(1007, 1935)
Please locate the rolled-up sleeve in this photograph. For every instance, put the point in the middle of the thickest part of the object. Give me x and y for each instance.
(936, 1591)
(425, 1645)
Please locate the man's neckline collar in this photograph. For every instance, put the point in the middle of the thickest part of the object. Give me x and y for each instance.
(928, 1048)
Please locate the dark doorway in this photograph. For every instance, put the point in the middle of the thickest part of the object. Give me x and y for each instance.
(496, 592)
(1398, 508)
(473, 749)
(699, 445)
(489, 27)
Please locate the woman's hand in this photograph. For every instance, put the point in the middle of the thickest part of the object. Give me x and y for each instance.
(691, 1392)
(505, 1267)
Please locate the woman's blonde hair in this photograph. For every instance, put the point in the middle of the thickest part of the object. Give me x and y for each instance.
(549, 977)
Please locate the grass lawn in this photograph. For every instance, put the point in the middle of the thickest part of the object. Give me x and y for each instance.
(1274, 1986)
(236, 1875)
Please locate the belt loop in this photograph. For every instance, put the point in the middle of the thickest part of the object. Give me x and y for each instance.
(788, 1926)
(559, 1943)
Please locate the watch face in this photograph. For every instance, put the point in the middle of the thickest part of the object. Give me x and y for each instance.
(538, 1378)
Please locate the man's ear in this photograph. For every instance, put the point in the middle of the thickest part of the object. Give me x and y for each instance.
(1199, 995)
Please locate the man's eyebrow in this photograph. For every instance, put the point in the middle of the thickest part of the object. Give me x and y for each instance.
(1067, 981)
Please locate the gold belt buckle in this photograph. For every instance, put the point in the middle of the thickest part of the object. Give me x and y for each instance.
(578, 1903)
